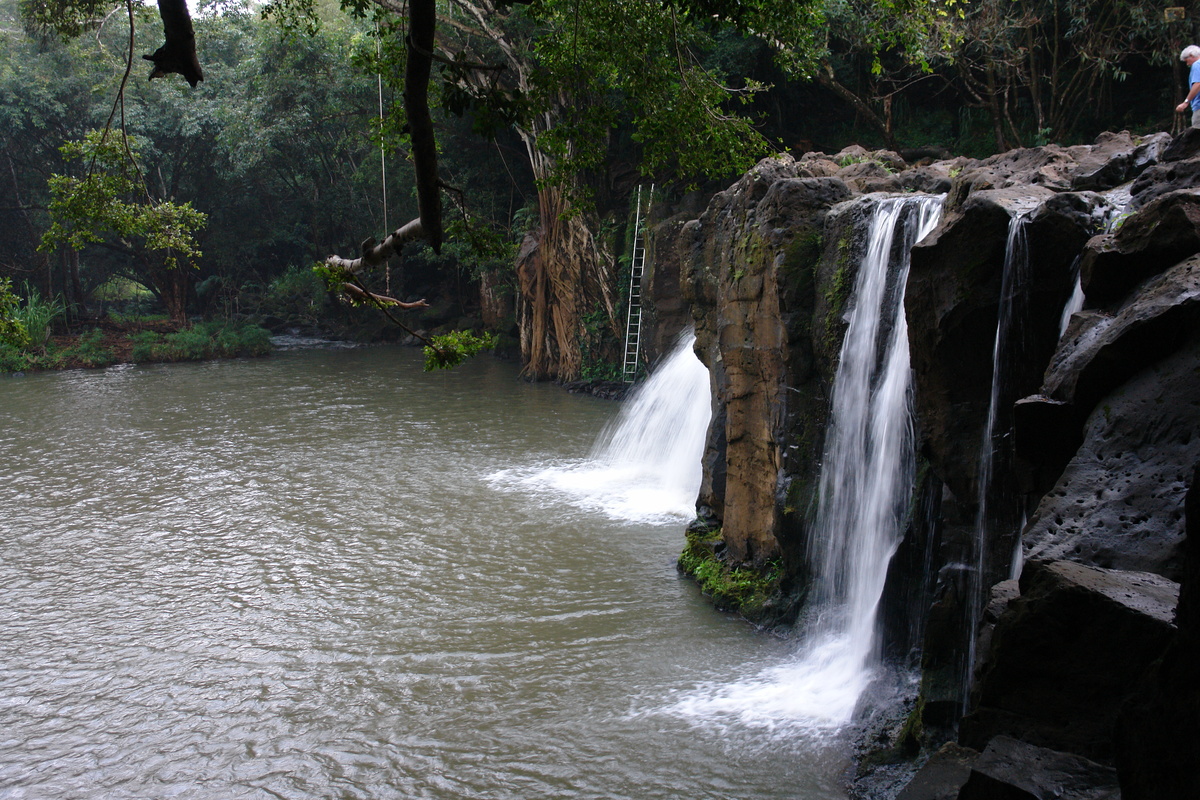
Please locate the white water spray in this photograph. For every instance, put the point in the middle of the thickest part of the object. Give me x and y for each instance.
(660, 432)
(867, 475)
(865, 484)
(645, 465)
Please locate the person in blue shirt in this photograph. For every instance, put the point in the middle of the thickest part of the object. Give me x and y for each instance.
(1191, 57)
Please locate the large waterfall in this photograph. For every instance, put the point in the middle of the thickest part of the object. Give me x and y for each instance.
(866, 482)
(867, 472)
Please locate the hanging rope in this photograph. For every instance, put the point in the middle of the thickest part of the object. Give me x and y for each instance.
(387, 270)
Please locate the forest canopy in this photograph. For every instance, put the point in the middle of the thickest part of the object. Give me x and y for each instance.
(509, 136)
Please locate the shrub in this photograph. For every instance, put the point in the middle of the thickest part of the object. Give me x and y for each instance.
(12, 331)
(89, 351)
(298, 295)
(202, 341)
(145, 344)
(38, 316)
(12, 359)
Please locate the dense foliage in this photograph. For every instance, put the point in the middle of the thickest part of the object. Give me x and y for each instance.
(295, 145)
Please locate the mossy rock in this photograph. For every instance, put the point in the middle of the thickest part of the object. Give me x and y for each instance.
(742, 589)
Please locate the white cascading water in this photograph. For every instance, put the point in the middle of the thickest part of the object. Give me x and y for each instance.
(1112, 213)
(866, 480)
(1074, 304)
(645, 465)
(1015, 277)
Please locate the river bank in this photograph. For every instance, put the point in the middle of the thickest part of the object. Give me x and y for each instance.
(118, 340)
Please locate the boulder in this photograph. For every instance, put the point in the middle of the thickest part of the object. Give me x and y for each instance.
(1118, 502)
(942, 776)
(870, 176)
(1114, 158)
(1158, 236)
(1117, 158)
(1158, 742)
(1178, 168)
(1009, 769)
(1064, 655)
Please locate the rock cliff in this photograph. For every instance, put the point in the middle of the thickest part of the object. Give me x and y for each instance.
(1090, 395)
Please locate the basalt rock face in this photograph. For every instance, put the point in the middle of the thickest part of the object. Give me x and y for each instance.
(767, 270)
(1156, 738)
(1093, 431)
(748, 268)
(1098, 446)
(1064, 654)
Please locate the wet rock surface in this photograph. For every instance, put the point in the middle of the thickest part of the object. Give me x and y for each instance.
(1010, 769)
(1064, 654)
(1094, 440)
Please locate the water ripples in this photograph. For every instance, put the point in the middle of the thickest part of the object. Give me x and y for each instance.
(294, 578)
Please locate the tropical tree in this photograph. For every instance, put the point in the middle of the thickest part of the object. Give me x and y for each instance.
(108, 201)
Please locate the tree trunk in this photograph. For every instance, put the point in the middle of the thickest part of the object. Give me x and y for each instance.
(561, 275)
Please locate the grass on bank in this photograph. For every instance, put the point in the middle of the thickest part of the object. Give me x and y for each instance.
(112, 343)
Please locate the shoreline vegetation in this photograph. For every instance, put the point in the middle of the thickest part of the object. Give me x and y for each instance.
(117, 339)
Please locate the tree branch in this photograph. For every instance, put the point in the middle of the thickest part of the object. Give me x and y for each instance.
(374, 255)
(178, 53)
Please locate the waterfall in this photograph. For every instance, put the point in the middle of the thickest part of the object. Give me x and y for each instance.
(867, 473)
(1074, 303)
(865, 487)
(1012, 285)
(645, 465)
(659, 434)
(1109, 216)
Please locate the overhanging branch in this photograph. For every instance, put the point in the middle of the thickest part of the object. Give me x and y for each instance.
(374, 255)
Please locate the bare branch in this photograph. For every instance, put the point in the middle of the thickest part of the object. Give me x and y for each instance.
(374, 255)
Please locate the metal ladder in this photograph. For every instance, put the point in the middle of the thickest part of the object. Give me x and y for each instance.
(633, 319)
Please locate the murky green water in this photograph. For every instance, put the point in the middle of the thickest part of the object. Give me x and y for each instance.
(308, 577)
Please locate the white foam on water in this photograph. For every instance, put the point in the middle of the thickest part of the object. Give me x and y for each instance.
(645, 465)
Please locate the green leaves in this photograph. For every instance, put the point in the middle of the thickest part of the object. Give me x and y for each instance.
(12, 331)
(452, 349)
(110, 200)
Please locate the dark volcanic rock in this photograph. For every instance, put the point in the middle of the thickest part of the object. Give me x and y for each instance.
(1066, 652)
(1158, 741)
(1014, 770)
(1179, 168)
(942, 776)
(1160, 235)
(1117, 158)
(1119, 501)
(953, 304)
(747, 268)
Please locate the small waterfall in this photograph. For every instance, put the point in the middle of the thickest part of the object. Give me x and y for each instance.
(1074, 303)
(645, 465)
(660, 431)
(1008, 327)
(1108, 216)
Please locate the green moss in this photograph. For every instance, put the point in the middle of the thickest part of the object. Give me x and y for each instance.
(838, 295)
(732, 588)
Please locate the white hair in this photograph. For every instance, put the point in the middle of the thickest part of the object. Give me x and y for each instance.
(1191, 51)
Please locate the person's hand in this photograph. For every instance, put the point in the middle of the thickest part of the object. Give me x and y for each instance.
(1182, 107)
